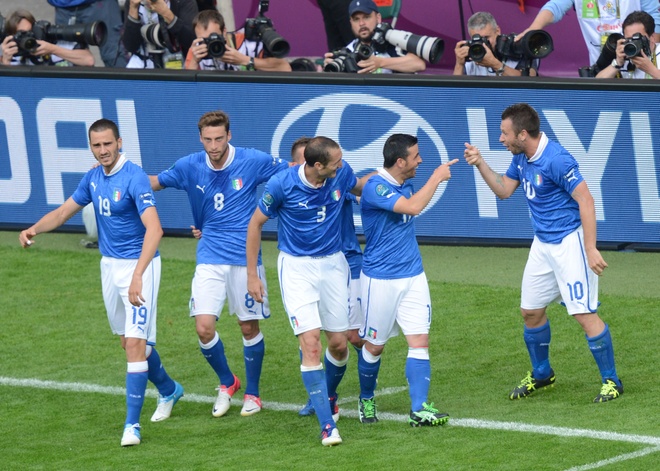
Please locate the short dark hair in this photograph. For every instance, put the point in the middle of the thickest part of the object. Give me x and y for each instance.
(103, 124)
(11, 24)
(318, 150)
(205, 17)
(300, 142)
(213, 119)
(523, 116)
(640, 17)
(396, 147)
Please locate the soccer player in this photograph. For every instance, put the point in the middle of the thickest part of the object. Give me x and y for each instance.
(563, 261)
(313, 272)
(221, 182)
(395, 292)
(129, 233)
(353, 253)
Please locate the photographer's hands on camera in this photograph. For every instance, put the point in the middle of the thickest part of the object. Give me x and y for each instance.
(233, 56)
(43, 50)
(489, 60)
(157, 6)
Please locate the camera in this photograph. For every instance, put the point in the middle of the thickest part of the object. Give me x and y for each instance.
(216, 45)
(344, 60)
(427, 47)
(261, 29)
(607, 55)
(535, 44)
(156, 37)
(635, 45)
(93, 34)
(476, 48)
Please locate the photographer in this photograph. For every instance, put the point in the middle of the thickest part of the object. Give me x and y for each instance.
(158, 33)
(365, 16)
(20, 47)
(636, 53)
(216, 49)
(484, 25)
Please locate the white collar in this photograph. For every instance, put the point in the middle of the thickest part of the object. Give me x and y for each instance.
(303, 178)
(120, 163)
(387, 176)
(231, 153)
(543, 142)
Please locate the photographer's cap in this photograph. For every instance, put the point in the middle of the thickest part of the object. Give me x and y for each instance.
(363, 6)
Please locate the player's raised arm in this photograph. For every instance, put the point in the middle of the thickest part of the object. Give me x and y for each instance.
(501, 185)
(49, 222)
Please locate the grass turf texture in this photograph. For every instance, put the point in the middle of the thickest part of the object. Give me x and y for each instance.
(54, 328)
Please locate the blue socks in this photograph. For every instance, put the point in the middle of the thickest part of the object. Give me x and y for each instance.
(418, 374)
(538, 346)
(253, 352)
(214, 352)
(603, 352)
(314, 381)
(158, 375)
(334, 372)
(368, 366)
(136, 385)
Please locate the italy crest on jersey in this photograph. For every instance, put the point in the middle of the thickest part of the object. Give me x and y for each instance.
(538, 181)
(336, 195)
(237, 183)
(372, 333)
(116, 195)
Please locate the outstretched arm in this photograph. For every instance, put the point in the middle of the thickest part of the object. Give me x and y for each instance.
(50, 221)
(502, 186)
(417, 202)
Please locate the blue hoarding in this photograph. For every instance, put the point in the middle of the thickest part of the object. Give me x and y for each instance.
(612, 131)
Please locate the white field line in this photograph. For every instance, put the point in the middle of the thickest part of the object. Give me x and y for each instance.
(469, 423)
(617, 459)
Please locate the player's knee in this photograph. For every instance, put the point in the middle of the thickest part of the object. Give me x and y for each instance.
(249, 329)
(205, 331)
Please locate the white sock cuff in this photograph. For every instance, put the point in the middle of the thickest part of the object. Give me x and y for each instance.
(311, 368)
(368, 356)
(334, 361)
(418, 353)
(211, 344)
(254, 341)
(137, 367)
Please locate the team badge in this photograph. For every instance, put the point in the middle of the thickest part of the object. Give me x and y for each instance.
(538, 181)
(267, 199)
(237, 183)
(382, 190)
(294, 322)
(336, 195)
(116, 195)
(372, 333)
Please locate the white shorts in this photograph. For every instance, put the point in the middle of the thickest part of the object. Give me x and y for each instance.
(560, 272)
(315, 291)
(390, 305)
(126, 319)
(213, 284)
(355, 317)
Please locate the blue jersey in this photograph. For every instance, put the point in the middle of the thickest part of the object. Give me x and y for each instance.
(548, 182)
(222, 200)
(309, 218)
(349, 241)
(391, 251)
(119, 200)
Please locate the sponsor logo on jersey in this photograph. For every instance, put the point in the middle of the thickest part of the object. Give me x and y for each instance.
(201, 188)
(336, 195)
(538, 181)
(237, 183)
(93, 185)
(116, 195)
(571, 175)
(382, 190)
(294, 322)
(372, 333)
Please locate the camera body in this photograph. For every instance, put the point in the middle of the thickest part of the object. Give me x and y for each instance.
(344, 60)
(635, 45)
(261, 29)
(216, 45)
(476, 48)
(26, 42)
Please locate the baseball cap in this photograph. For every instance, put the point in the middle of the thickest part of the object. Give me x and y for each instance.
(363, 6)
